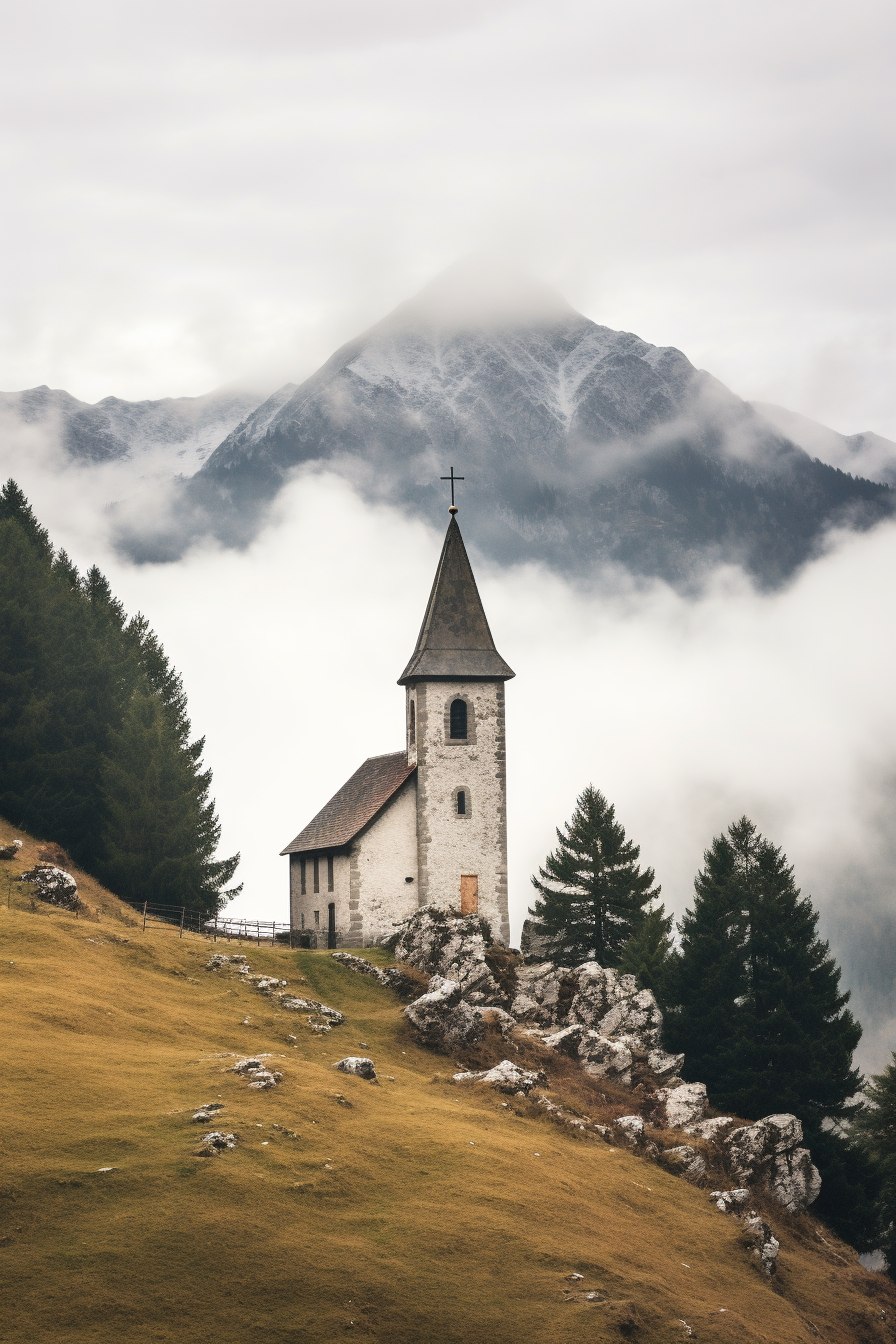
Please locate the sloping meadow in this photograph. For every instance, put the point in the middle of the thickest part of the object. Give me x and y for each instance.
(404, 1210)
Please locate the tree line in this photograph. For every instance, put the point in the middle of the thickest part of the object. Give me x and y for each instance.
(95, 743)
(751, 994)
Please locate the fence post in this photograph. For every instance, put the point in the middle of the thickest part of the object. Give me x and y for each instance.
(144, 916)
(215, 936)
(182, 913)
(258, 933)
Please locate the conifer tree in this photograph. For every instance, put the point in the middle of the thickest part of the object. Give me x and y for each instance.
(759, 1013)
(648, 954)
(591, 889)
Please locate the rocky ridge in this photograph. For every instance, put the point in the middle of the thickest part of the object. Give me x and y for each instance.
(613, 1029)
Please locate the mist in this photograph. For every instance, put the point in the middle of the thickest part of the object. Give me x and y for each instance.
(685, 711)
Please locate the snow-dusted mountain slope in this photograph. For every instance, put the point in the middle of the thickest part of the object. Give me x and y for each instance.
(579, 444)
(175, 432)
(867, 454)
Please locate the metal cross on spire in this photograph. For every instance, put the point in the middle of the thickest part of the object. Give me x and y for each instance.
(452, 478)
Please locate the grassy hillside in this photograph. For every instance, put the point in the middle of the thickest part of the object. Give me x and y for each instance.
(410, 1211)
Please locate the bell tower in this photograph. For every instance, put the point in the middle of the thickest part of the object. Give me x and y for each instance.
(455, 736)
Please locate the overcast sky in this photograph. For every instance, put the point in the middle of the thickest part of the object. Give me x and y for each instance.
(203, 192)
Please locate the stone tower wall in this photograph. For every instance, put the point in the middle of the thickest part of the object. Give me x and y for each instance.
(448, 845)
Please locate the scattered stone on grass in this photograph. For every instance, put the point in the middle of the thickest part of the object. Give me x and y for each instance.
(254, 1068)
(630, 1130)
(761, 1243)
(392, 977)
(297, 1005)
(505, 1077)
(10, 848)
(216, 1142)
(207, 1112)
(359, 1065)
(54, 885)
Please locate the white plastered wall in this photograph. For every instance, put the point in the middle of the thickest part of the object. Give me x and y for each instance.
(449, 845)
(381, 860)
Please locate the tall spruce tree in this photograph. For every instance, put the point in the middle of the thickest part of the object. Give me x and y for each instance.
(760, 1016)
(759, 1011)
(95, 747)
(591, 891)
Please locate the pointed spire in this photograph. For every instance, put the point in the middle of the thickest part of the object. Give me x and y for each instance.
(455, 640)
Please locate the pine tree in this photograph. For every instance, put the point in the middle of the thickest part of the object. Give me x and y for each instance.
(592, 892)
(760, 1014)
(875, 1126)
(648, 953)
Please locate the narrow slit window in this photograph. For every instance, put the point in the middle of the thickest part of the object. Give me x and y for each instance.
(412, 724)
(302, 874)
(303, 919)
(316, 874)
(461, 802)
(317, 918)
(458, 719)
(329, 872)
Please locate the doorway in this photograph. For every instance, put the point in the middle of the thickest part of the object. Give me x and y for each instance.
(469, 894)
(331, 925)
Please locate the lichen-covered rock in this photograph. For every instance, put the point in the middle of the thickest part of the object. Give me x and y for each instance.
(393, 977)
(543, 993)
(216, 1142)
(566, 1040)
(255, 1071)
(664, 1065)
(761, 1243)
(682, 1106)
(216, 961)
(684, 1161)
(533, 943)
(730, 1201)
(451, 946)
(605, 1058)
(265, 984)
(207, 1112)
(629, 1130)
(54, 885)
(358, 1065)
(505, 1077)
(299, 1005)
(769, 1154)
(10, 848)
(710, 1130)
(444, 1017)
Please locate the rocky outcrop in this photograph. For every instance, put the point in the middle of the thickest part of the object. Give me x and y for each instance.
(392, 976)
(505, 1077)
(54, 885)
(601, 1018)
(358, 1065)
(684, 1160)
(216, 1142)
(438, 943)
(298, 1005)
(9, 848)
(758, 1238)
(770, 1154)
(443, 1016)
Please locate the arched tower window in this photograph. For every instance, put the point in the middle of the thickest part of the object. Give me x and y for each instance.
(458, 719)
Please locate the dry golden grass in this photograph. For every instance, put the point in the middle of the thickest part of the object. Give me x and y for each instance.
(421, 1212)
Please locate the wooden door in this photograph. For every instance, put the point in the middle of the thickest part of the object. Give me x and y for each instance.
(469, 894)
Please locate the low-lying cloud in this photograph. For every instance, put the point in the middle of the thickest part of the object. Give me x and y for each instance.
(686, 712)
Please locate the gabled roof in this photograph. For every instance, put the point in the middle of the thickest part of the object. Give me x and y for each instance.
(356, 803)
(455, 640)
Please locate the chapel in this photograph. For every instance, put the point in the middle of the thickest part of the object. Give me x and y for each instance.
(426, 825)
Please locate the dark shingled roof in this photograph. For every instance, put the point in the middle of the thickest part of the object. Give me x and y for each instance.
(356, 803)
(455, 640)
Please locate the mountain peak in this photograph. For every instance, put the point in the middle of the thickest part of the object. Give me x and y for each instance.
(481, 291)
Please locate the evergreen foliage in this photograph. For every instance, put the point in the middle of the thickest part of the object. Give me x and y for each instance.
(648, 955)
(592, 892)
(875, 1128)
(761, 1018)
(95, 747)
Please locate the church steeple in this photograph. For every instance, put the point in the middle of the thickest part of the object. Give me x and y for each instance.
(455, 642)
